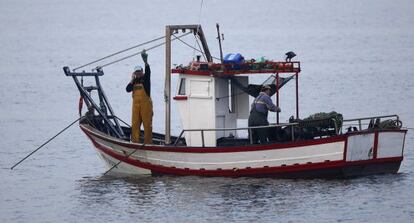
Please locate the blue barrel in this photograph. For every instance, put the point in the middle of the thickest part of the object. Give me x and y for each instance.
(233, 58)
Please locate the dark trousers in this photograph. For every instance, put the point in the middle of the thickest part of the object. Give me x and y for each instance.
(259, 134)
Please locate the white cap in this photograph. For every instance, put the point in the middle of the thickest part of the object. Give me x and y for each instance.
(266, 87)
(137, 68)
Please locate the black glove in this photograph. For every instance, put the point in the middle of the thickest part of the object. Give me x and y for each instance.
(144, 56)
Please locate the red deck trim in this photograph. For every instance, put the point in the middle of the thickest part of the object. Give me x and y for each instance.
(219, 149)
(374, 131)
(229, 148)
(180, 97)
(230, 73)
(238, 172)
(214, 69)
(192, 72)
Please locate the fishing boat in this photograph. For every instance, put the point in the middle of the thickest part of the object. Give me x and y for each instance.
(211, 97)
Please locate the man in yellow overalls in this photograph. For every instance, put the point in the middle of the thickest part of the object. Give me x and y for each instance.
(140, 85)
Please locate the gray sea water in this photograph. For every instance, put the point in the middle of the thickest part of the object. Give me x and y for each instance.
(357, 59)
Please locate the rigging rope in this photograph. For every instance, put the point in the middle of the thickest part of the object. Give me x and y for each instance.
(126, 156)
(230, 95)
(198, 27)
(245, 89)
(199, 47)
(122, 121)
(45, 143)
(193, 47)
(132, 55)
(116, 53)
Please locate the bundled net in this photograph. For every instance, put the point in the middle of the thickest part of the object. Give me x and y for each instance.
(321, 120)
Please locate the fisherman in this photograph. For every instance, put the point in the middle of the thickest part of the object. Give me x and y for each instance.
(140, 85)
(258, 114)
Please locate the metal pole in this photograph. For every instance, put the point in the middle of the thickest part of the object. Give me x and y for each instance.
(297, 95)
(178, 139)
(202, 137)
(250, 136)
(167, 88)
(277, 97)
(103, 96)
(88, 97)
(219, 39)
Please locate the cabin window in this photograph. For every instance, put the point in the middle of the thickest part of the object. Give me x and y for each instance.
(181, 89)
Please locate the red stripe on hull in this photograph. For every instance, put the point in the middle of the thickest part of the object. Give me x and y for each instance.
(312, 170)
(227, 149)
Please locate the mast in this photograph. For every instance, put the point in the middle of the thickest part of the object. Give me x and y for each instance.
(219, 39)
(169, 30)
(167, 88)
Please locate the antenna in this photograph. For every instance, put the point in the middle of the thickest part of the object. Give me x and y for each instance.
(219, 39)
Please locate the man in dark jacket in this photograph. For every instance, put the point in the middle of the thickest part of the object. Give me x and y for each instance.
(142, 113)
(258, 114)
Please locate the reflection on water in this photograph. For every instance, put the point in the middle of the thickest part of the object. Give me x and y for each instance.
(188, 199)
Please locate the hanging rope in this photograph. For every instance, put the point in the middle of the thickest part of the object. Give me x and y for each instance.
(116, 53)
(256, 88)
(199, 47)
(193, 47)
(122, 121)
(198, 27)
(45, 143)
(132, 55)
(127, 156)
(232, 95)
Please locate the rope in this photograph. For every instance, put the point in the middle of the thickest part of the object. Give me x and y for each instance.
(199, 47)
(116, 165)
(132, 55)
(228, 96)
(116, 53)
(198, 27)
(122, 121)
(45, 143)
(192, 47)
(356, 124)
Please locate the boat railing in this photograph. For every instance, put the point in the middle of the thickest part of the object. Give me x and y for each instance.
(360, 123)
(249, 129)
(338, 128)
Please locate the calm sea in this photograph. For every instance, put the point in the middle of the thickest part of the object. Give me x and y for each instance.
(357, 59)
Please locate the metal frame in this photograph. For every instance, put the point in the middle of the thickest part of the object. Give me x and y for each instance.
(296, 90)
(338, 131)
(169, 31)
(110, 121)
(359, 120)
(229, 129)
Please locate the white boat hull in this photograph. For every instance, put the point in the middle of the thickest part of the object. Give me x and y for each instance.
(334, 156)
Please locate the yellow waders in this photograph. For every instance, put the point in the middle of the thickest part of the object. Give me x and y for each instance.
(141, 113)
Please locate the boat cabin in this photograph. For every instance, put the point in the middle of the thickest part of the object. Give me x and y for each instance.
(212, 97)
